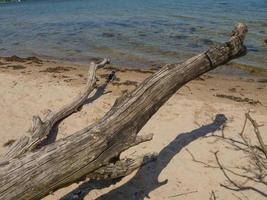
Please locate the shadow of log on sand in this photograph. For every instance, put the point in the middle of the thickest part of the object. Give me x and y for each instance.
(101, 90)
(146, 179)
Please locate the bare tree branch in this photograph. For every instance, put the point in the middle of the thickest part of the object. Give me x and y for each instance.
(41, 129)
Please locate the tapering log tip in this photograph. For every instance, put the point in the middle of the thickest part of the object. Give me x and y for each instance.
(107, 60)
(240, 30)
(100, 64)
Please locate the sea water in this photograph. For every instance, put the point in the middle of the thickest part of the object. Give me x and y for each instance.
(130, 32)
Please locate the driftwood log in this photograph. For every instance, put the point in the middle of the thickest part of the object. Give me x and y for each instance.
(94, 151)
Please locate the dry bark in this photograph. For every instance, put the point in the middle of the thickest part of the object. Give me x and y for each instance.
(36, 174)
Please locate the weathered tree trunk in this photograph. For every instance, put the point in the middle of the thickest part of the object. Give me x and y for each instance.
(91, 151)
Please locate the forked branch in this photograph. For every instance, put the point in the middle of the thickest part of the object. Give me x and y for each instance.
(41, 128)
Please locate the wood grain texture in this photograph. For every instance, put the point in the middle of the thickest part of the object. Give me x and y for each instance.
(36, 174)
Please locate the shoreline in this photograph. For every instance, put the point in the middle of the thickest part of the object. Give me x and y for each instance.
(230, 69)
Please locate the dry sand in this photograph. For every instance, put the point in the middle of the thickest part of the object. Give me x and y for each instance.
(183, 127)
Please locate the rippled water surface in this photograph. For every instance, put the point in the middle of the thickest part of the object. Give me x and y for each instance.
(132, 32)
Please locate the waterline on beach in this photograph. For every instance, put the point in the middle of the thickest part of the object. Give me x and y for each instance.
(132, 33)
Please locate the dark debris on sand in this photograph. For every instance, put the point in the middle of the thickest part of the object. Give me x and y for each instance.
(57, 69)
(238, 99)
(19, 59)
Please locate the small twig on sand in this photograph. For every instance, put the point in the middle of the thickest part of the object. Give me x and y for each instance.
(223, 127)
(212, 195)
(240, 197)
(244, 126)
(182, 194)
(198, 161)
(237, 187)
(223, 171)
(258, 159)
(257, 132)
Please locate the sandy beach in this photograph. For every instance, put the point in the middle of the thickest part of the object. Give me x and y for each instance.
(202, 118)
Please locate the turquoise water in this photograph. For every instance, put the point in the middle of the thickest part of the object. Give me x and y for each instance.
(132, 32)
